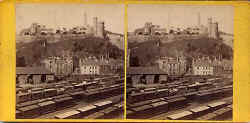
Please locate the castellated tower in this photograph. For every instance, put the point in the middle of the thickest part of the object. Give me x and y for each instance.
(95, 21)
(147, 29)
(100, 29)
(34, 28)
(209, 23)
(213, 29)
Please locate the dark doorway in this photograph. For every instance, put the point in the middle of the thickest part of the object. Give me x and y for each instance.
(129, 81)
(143, 79)
(30, 79)
(156, 79)
(43, 78)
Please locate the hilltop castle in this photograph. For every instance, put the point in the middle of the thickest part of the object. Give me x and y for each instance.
(97, 29)
(210, 30)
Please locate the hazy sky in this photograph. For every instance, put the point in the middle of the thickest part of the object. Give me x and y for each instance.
(70, 15)
(179, 15)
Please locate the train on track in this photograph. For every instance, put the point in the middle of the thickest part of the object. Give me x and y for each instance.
(34, 102)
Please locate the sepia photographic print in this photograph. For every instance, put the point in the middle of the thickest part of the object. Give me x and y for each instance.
(69, 61)
(180, 62)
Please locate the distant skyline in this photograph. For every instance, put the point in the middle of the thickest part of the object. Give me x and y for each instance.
(70, 15)
(179, 15)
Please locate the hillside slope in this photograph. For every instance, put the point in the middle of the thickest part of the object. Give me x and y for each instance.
(147, 52)
(32, 53)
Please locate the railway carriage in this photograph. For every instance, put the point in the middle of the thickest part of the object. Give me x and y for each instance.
(23, 97)
(30, 111)
(185, 115)
(46, 107)
(103, 104)
(88, 109)
(200, 110)
(72, 114)
(37, 95)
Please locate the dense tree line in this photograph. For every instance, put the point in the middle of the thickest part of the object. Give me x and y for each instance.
(32, 54)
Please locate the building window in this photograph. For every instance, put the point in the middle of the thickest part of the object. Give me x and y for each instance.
(143, 79)
(30, 79)
(43, 78)
(156, 79)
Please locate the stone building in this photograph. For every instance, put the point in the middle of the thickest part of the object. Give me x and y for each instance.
(227, 66)
(36, 29)
(172, 65)
(93, 67)
(80, 30)
(211, 66)
(145, 75)
(203, 68)
(116, 66)
(33, 75)
(207, 66)
(211, 30)
(59, 65)
(217, 65)
(150, 29)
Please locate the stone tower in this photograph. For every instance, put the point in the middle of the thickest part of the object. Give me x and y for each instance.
(95, 21)
(100, 29)
(213, 31)
(209, 24)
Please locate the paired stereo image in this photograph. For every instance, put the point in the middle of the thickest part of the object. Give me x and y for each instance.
(70, 61)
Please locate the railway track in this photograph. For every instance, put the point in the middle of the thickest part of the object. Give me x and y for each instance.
(72, 104)
(97, 110)
(181, 101)
(162, 109)
(203, 111)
